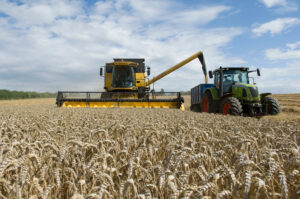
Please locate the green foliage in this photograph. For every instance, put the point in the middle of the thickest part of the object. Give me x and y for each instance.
(6, 94)
(161, 92)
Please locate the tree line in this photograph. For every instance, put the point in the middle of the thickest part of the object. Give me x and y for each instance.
(163, 93)
(7, 94)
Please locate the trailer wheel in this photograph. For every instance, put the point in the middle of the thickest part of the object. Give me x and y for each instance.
(195, 108)
(270, 106)
(207, 103)
(231, 106)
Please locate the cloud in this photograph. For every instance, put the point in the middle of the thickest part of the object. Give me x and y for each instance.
(293, 45)
(272, 3)
(280, 5)
(60, 45)
(206, 14)
(276, 26)
(280, 79)
(39, 12)
(278, 54)
(286, 54)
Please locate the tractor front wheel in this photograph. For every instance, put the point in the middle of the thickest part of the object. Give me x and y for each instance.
(207, 103)
(270, 106)
(231, 106)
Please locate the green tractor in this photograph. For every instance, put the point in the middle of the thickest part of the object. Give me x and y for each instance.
(232, 94)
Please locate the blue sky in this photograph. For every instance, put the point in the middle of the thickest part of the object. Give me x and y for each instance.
(60, 44)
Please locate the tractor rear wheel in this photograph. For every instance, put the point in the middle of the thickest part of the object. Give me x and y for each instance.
(207, 103)
(231, 106)
(270, 106)
(196, 108)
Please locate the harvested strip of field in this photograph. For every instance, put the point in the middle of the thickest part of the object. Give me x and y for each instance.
(49, 152)
(289, 100)
(293, 96)
(26, 102)
(290, 106)
(291, 109)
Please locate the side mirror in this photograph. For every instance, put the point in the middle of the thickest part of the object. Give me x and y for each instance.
(101, 71)
(258, 72)
(148, 71)
(210, 74)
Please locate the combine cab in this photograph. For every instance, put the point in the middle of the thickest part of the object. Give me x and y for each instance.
(126, 87)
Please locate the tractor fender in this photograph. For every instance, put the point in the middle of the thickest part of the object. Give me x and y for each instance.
(215, 101)
(264, 95)
(213, 92)
(226, 95)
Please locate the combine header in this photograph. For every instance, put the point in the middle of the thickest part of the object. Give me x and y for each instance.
(126, 87)
(118, 99)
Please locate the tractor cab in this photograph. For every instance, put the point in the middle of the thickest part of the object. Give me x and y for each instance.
(231, 77)
(226, 80)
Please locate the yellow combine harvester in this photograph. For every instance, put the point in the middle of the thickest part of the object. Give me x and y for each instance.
(126, 86)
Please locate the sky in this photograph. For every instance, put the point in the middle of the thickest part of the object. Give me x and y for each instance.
(51, 45)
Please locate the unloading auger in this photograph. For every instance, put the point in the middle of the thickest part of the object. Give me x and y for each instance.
(125, 86)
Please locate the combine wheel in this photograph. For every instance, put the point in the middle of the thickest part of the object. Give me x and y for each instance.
(231, 105)
(270, 106)
(207, 103)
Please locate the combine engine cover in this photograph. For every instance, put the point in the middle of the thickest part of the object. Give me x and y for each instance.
(119, 99)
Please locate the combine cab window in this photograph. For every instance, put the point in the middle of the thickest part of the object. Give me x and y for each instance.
(122, 76)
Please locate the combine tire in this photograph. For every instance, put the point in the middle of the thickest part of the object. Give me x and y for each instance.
(270, 106)
(231, 106)
(207, 103)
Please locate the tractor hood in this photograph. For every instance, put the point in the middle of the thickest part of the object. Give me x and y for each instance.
(246, 92)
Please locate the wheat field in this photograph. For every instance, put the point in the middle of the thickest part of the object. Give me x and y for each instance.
(50, 152)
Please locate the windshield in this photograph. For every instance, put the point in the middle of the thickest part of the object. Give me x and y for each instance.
(235, 76)
(122, 76)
